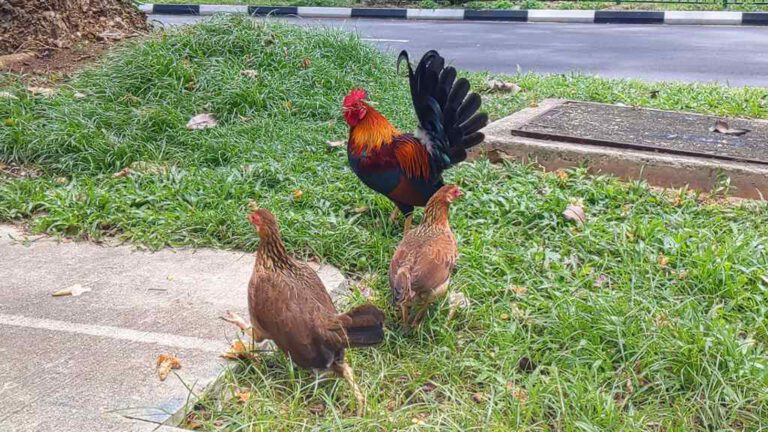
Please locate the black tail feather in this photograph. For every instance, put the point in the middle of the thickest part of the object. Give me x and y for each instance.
(364, 325)
(447, 111)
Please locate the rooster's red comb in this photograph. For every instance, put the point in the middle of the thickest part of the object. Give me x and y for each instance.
(355, 96)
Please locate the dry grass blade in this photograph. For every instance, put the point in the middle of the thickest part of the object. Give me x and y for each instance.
(74, 291)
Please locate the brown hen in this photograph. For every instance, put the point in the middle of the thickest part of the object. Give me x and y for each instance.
(421, 267)
(288, 304)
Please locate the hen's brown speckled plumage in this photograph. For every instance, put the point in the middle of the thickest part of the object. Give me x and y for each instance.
(424, 260)
(288, 304)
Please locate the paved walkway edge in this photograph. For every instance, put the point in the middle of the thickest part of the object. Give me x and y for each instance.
(534, 15)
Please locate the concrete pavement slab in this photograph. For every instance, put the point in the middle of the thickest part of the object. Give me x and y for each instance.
(87, 363)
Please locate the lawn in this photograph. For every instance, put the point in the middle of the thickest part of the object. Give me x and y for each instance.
(650, 316)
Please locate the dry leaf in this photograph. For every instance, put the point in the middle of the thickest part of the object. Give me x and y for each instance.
(428, 387)
(238, 351)
(520, 394)
(125, 172)
(297, 194)
(503, 86)
(306, 63)
(654, 94)
(250, 73)
(575, 213)
(7, 95)
(519, 290)
(243, 395)
(478, 397)
(288, 104)
(562, 174)
(79, 95)
(600, 281)
(358, 210)
(74, 291)
(164, 364)
(42, 91)
(334, 144)
(662, 260)
(662, 320)
(317, 409)
(202, 121)
(61, 180)
(504, 317)
(721, 126)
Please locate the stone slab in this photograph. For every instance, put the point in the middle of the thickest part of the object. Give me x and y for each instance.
(658, 169)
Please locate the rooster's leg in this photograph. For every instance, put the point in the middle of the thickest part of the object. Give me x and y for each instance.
(408, 222)
(394, 215)
(234, 318)
(343, 370)
(420, 314)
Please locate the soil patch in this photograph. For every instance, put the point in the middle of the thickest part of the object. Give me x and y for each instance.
(49, 61)
(36, 25)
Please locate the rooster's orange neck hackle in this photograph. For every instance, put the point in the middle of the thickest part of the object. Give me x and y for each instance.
(369, 129)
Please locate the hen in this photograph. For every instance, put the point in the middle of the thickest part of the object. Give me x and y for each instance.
(288, 304)
(408, 168)
(421, 268)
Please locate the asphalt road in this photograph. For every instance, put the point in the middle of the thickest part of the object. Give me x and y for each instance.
(727, 54)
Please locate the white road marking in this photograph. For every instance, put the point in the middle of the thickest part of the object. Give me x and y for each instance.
(385, 40)
(166, 339)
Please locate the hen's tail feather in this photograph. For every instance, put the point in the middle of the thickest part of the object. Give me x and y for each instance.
(364, 325)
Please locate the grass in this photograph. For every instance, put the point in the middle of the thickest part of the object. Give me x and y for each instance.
(496, 4)
(651, 316)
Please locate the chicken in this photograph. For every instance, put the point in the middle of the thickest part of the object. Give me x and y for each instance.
(408, 168)
(421, 268)
(289, 305)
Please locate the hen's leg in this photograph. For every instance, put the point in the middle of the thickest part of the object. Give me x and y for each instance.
(394, 215)
(343, 370)
(422, 311)
(234, 318)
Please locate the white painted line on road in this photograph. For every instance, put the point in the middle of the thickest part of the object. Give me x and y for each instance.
(166, 339)
(385, 40)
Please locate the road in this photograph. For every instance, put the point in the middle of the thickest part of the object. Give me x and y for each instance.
(727, 54)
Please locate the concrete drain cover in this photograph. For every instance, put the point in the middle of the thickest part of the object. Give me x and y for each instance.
(675, 133)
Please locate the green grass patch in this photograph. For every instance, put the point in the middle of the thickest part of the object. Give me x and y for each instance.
(651, 316)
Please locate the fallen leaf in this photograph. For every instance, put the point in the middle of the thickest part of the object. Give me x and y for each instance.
(7, 95)
(297, 194)
(334, 144)
(250, 73)
(428, 387)
(575, 213)
(9, 122)
(520, 394)
(562, 174)
(526, 365)
(654, 94)
(721, 126)
(519, 290)
(317, 409)
(503, 86)
(662, 260)
(288, 104)
(74, 291)
(243, 395)
(61, 180)
(420, 418)
(79, 95)
(42, 91)
(202, 121)
(125, 172)
(478, 397)
(662, 320)
(600, 281)
(358, 210)
(238, 351)
(306, 63)
(504, 317)
(164, 364)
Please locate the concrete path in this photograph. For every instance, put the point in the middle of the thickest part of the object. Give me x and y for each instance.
(87, 363)
(733, 55)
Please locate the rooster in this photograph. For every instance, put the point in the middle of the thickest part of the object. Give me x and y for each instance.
(408, 168)
(421, 267)
(288, 304)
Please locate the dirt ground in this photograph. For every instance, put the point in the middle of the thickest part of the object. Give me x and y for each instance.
(51, 27)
